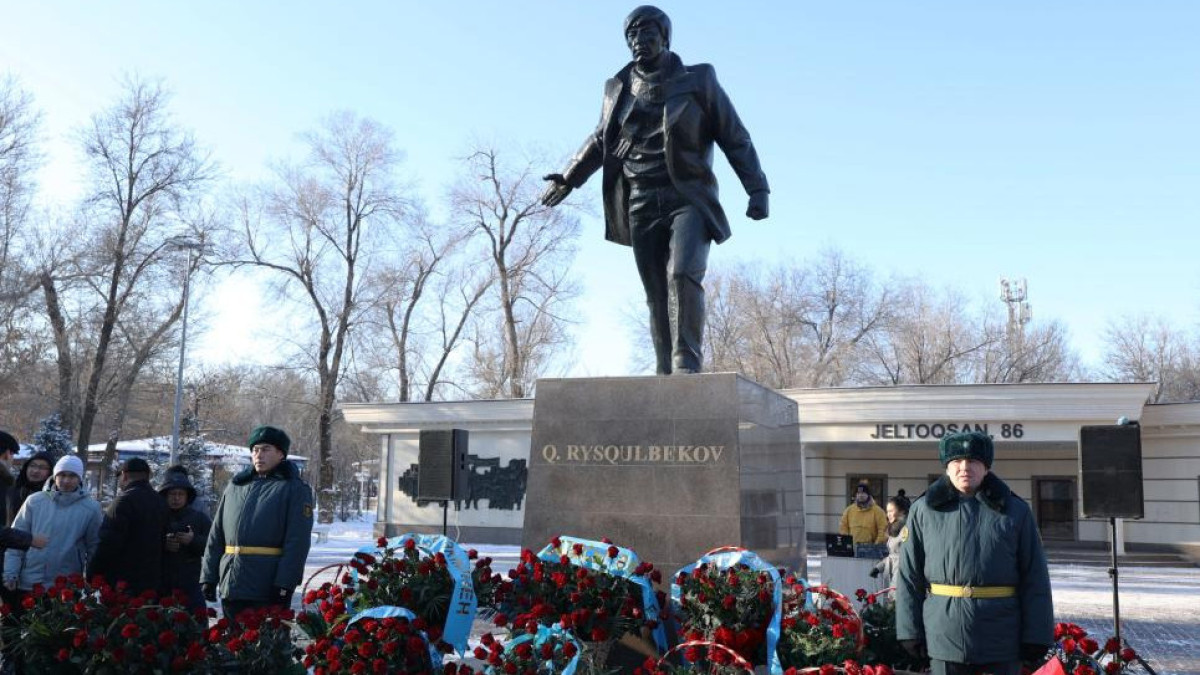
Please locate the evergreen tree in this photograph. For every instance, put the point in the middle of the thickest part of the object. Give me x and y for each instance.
(51, 437)
(194, 456)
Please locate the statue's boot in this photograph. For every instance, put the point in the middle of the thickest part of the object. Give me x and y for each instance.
(687, 323)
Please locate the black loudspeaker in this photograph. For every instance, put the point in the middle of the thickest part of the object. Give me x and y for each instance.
(1110, 470)
(442, 466)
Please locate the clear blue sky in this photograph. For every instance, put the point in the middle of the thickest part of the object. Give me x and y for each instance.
(961, 141)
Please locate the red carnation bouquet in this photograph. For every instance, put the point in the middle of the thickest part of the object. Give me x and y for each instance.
(1080, 654)
(79, 626)
(591, 603)
(399, 576)
(390, 644)
(259, 641)
(731, 606)
(878, 612)
(546, 652)
(849, 667)
(697, 657)
(406, 577)
(819, 626)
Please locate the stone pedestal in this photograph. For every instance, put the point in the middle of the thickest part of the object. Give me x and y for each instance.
(670, 467)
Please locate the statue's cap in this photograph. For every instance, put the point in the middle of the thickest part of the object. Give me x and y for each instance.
(654, 15)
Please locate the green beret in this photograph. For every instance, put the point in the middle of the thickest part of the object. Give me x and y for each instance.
(272, 435)
(967, 445)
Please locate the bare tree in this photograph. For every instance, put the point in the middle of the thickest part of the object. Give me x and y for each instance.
(55, 265)
(799, 325)
(145, 330)
(406, 286)
(145, 172)
(840, 306)
(529, 247)
(927, 340)
(318, 228)
(459, 294)
(19, 158)
(1144, 348)
(1039, 353)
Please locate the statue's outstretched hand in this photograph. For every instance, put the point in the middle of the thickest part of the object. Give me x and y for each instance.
(556, 191)
(758, 208)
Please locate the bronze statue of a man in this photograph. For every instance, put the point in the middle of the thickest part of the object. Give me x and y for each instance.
(657, 127)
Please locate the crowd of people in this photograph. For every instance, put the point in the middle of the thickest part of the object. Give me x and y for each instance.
(156, 539)
(972, 583)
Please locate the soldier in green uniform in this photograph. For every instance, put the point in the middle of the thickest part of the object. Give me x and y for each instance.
(261, 532)
(973, 590)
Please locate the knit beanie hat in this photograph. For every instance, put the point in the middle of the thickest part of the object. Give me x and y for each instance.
(9, 444)
(272, 435)
(967, 445)
(70, 463)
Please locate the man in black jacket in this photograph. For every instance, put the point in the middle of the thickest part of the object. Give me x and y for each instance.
(131, 538)
(658, 125)
(9, 447)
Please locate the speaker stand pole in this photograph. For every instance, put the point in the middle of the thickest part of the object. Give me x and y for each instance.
(446, 522)
(1112, 573)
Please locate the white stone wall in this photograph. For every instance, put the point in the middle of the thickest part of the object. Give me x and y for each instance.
(1170, 477)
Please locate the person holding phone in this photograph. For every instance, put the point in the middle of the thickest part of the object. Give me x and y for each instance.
(183, 544)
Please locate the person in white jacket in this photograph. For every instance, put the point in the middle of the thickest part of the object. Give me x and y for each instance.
(69, 516)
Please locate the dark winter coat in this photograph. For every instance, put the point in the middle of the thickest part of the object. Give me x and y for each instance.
(14, 538)
(131, 539)
(7, 483)
(22, 488)
(181, 569)
(696, 114)
(986, 540)
(274, 512)
(6, 489)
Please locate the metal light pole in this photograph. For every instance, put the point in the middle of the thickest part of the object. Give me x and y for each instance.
(193, 247)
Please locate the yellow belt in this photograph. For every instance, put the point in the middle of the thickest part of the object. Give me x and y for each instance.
(973, 591)
(252, 550)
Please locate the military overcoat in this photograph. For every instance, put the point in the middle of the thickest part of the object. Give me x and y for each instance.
(258, 515)
(986, 540)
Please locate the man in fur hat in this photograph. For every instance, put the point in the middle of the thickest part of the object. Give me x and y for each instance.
(261, 532)
(973, 591)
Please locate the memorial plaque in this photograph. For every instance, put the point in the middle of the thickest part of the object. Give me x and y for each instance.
(670, 467)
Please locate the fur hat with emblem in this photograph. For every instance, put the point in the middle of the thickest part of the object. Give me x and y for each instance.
(272, 436)
(967, 445)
